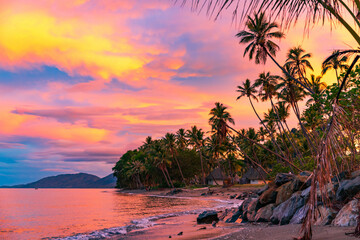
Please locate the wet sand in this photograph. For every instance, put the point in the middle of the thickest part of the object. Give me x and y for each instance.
(171, 227)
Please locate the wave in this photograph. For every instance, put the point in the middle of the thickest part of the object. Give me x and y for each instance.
(148, 222)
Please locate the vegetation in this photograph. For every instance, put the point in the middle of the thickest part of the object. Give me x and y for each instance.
(327, 136)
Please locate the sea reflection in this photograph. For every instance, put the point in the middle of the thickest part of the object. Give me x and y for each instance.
(43, 213)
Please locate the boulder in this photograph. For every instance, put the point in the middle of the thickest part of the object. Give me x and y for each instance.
(324, 215)
(264, 214)
(249, 212)
(233, 196)
(305, 173)
(299, 215)
(268, 196)
(348, 189)
(282, 178)
(341, 176)
(225, 214)
(234, 217)
(347, 215)
(207, 217)
(285, 211)
(355, 174)
(263, 189)
(284, 192)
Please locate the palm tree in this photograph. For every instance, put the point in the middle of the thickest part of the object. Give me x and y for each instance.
(337, 63)
(259, 35)
(298, 61)
(219, 119)
(169, 141)
(196, 139)
(158, 154)
(181, 138)
(249, 91)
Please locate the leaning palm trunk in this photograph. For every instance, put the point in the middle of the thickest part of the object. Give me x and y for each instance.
(265, 148)
(202, 166)
(165, 176)
(167, 172)
(286, 134)
(330, 148)
(177, 162)
(267, 129)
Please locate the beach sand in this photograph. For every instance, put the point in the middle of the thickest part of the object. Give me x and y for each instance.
(170, 227)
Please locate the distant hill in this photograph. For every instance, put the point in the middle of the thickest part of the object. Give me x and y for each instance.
(79, 180)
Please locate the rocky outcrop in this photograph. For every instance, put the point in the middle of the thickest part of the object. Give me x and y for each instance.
(207, 217)
(264, 214)
(347, 215)
(284, 193)
(348, 189)
(268, 196)
(282, 178)
(324, 215)
(285, 211)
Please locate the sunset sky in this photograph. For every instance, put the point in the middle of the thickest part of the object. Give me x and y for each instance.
(82, 81)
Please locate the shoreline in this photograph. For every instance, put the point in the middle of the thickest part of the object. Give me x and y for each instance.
(186, 224)
(183, 225)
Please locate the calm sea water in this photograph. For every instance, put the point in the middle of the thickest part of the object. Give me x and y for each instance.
(44, 213)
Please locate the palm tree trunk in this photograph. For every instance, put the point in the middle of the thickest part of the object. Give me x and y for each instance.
(166, 170)
(286, 134)
(270, 133)
(202, 166)
(286, 73)
(167, 181)
(337, 76)
(265, 148)
(177, 162)
(303, 129)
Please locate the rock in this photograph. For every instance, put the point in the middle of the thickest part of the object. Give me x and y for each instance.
(233, 196)
(341, 176)
(180, 233)
(285, 211)
(355, 174)
(348, 189)
(284, 192)
(282, 178)
(263, 189)
(305, 173)
(299, 216)
(203, 228)
(234, 217)
(306, 193)
(213, 224)
(207, 217)
(225, 214)
(169, 236)
(264, 214)
(347, 215)
(324, 215)
(250, 213)
(268, 196)
(174, 191)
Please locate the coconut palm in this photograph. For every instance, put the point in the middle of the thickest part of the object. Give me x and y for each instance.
(169, 141)
(259, 35)
(298, 61)
(219, 119)
(338, 63)
(249, 91)
(159, 159)
(196, 139)
(181, 139)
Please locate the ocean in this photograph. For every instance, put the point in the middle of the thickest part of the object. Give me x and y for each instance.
(84, 213)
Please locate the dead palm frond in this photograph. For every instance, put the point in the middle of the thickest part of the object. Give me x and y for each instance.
(330, 149)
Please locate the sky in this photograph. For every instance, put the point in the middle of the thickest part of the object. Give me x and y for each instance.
(83, 81)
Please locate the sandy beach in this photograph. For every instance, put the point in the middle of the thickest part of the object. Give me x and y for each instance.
(185, 226)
